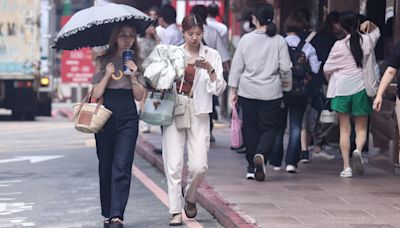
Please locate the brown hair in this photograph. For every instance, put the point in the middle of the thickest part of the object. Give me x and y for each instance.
(190, 21)
(295, 23)
(113, 45)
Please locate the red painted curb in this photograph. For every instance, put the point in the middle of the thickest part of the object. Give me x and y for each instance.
(206, 196)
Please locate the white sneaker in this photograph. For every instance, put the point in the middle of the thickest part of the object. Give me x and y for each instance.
(277, 168)
(291, 169)
(358, 163)
(250, 176)
(347, 172)
(324, 155)
(259, 171)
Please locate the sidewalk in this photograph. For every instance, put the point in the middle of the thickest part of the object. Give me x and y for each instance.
(314, 197)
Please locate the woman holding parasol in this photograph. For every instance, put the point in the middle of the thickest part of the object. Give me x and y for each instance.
(115, 25)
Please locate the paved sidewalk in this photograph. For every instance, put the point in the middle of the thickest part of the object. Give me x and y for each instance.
(314, 197)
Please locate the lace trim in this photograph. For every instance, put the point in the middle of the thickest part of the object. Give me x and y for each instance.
(106, 21)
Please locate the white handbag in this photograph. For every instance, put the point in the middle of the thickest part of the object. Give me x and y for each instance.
(182, 113)
(328, 117)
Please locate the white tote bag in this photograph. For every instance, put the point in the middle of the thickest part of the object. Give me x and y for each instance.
(371, 72)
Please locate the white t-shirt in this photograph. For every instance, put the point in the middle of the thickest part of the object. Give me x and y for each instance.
(172, 36)
(220, 27)
(309, 51)
(214, 40)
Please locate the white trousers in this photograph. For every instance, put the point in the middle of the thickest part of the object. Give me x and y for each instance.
(197, 139)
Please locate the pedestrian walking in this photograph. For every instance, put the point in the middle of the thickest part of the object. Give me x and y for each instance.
(170, 36)
(154, 13)
(213, 13)
(167, 20)
(147, 43)
(261, 69)
(115, 143)
(344, 71)
(297, 100)
(212, 39)
(313, 129)
(203, 78)
(393, 63)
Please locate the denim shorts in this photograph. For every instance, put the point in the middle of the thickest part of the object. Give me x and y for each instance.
(358, 104)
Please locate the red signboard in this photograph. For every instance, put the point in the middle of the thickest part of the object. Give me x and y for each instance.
(77, 66)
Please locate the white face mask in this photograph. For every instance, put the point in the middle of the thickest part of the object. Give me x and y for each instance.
(246, 27)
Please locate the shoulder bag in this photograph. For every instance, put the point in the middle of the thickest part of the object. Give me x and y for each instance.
(182, 110)
(90, 117)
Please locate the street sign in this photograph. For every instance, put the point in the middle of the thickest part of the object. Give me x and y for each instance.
(77, 66)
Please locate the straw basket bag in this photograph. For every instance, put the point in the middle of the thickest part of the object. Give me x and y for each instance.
(90, 117)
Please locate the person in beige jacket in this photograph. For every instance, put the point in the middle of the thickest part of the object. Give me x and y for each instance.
(202, 79)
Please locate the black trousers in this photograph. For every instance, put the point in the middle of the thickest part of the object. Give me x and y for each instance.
(262, 121)
(115, 148)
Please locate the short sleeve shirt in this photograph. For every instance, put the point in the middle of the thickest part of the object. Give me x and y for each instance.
(394, 61)
(123, 83)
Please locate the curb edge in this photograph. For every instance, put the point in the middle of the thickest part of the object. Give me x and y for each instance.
(206, 196)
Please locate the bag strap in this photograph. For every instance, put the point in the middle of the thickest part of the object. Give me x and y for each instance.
(300, 45)
(371, 44)
(310, 36)
(191, 90)
(306, 40)
(87, 99)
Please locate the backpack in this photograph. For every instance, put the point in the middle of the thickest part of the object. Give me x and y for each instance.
(301, 71)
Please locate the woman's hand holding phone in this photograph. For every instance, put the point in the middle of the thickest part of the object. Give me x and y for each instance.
(202, 63)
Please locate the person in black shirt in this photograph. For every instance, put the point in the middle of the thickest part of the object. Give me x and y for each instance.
(391, 71)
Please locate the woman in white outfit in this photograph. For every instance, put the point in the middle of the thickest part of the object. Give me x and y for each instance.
(203, 79)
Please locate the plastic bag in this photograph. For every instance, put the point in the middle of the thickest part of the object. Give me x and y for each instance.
(236, 129)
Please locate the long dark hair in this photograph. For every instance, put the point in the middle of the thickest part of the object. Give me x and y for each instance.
(331, 19)
(265, 15)
(113, 45)
(350, 23)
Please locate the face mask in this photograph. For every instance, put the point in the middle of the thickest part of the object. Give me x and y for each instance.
(246, 27)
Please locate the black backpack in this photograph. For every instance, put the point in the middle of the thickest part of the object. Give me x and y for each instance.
(301, 71)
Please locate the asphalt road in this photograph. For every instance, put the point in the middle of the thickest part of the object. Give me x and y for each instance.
(48, 178)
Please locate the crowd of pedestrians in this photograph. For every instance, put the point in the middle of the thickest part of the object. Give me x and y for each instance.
(278, 82)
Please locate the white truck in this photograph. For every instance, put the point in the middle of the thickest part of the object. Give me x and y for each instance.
(25, 85)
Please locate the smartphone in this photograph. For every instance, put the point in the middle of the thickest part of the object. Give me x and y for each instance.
(199, 61)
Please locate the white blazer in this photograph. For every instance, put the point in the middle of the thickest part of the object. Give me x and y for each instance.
(204, 88)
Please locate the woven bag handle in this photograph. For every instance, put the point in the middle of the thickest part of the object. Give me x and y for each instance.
(87, 99)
